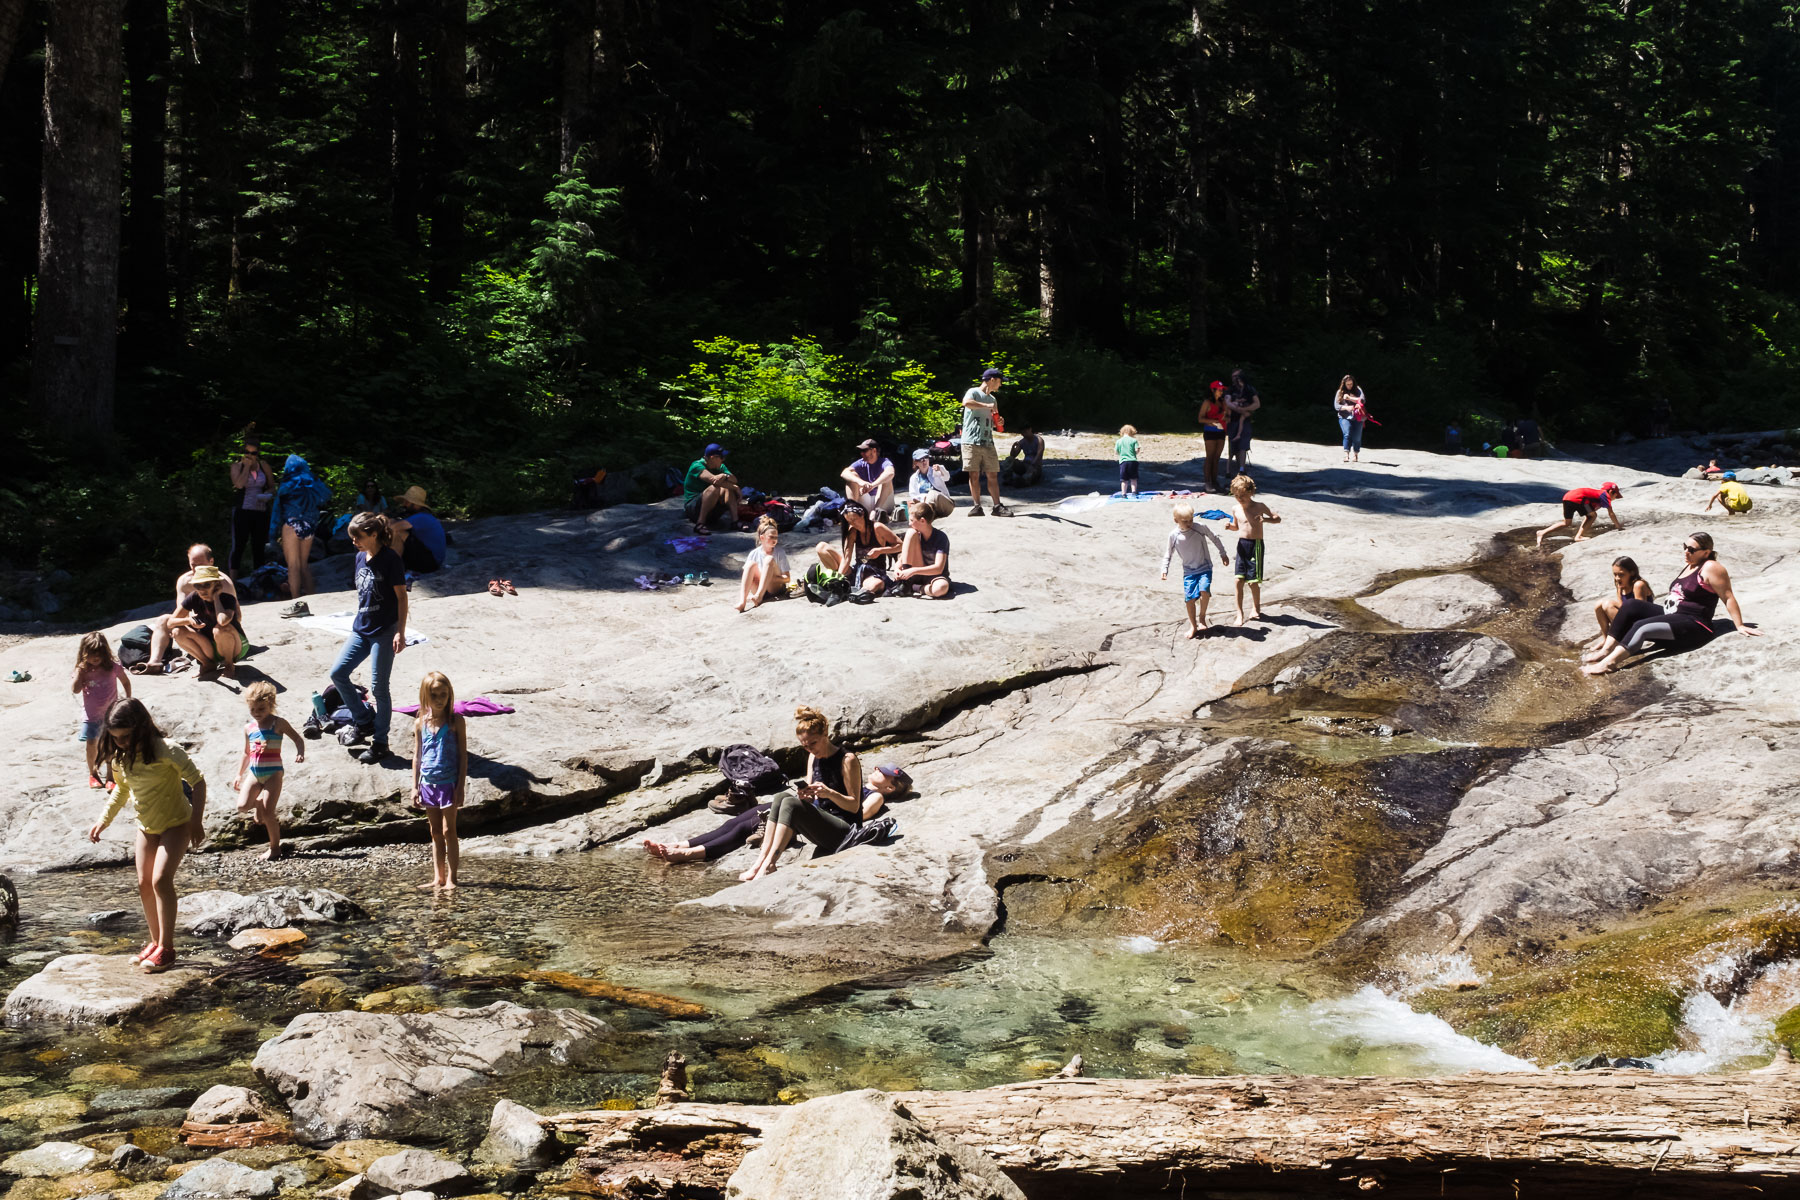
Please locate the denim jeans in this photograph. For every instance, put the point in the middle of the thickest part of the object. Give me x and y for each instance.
(1352, 434)
(357, 648)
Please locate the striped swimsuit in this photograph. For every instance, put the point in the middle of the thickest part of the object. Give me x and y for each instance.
(265, 751)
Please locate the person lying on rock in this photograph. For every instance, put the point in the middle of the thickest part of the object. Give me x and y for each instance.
(924, 559)
(825, 808)
(162, 635)
(884, 784)
(867, 551)
(1586, 502)
(1684, 620)
(1627, 585)
(208, 625)
(766, 572)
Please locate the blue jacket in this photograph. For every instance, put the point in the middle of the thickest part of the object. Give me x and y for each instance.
(300, 496)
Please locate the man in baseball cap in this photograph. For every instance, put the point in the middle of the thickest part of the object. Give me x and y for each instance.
(870, 479)
(709, 488)
(978, 453)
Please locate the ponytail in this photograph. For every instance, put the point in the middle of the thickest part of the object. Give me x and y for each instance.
(1705, 542)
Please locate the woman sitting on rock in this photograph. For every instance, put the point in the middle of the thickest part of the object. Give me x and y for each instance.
(824, 809)
(884, 784)
(1627, 585)
(1685, 621)
(866, 553)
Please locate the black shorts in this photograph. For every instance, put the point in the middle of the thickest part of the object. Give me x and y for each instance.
(417, 559)
(1128, 471)
(691, 509)
(1572, 509)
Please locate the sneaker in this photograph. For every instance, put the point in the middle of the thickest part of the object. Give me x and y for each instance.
(296, 609)
(374, 753)
(1000, 510)
(148, 950)
(349, 735)
(977, 511)
(161, 958)
(313, 730)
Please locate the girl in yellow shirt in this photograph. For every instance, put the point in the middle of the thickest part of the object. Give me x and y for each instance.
(150, 772)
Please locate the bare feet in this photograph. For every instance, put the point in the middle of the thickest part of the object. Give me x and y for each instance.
(428, 887)
(755, 872)
(1598, 668)
(657, 849)
(1193, 633)
(271, 854)
(450, 886)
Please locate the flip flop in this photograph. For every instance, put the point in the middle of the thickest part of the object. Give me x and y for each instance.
(507, 587)
(494, 588)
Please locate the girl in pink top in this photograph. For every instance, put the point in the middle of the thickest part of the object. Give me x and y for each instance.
(98, 680)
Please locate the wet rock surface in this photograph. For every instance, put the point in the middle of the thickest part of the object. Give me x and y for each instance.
(349, 1075)
(216, 913)
(79, 990)
(1437, 602)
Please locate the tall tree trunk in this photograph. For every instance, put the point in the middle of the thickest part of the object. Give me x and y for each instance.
(408, 124)
(21, 149)
(12, 20)
(449, 152)
(145, 279)
(577, 79)
(75, 336)
(977, 291)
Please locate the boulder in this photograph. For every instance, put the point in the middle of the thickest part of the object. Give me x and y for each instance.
(357, 1187)
(415, 1170)
(516, 1139)
(222, 1179)
(214, 913)
(269, 941)
(1474, 660)
(863, 1146)
(354, 1156)
(224, 1104)
(1436, 602)
(82, 990)
(52, 1160)
(353, 1074)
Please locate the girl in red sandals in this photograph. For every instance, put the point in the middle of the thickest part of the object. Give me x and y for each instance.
(150, 773)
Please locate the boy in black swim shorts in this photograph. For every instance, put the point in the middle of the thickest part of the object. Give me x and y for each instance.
(1248, 521)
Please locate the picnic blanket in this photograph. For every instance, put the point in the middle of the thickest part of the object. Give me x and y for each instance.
(340, 622)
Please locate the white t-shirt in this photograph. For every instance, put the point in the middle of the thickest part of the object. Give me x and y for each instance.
(758, 557)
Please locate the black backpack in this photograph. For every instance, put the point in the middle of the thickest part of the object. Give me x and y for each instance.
(826, 587)
(751, 772)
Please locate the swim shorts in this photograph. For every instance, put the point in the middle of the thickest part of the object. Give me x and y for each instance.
(1197, 584)
(1128, 471)
(1249, 565)
(1572, 509)
(432, 795)
(87, 731)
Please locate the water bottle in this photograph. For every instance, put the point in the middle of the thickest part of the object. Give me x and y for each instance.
(318, 703)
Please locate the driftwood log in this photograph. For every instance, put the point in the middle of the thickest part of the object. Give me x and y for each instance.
(1562, 1134)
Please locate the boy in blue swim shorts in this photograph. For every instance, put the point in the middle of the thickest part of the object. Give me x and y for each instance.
(1188, 543)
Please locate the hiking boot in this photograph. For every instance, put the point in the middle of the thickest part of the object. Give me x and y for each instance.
(374, 753)
(731, 804)
(976, 511)
(1000, 510)
(313, 730)
(297, 609)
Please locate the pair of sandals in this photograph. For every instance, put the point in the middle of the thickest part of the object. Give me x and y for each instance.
(502, 587)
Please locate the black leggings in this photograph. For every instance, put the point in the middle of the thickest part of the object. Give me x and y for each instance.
(248, 527)
(823, 829)
(1640, 622)
(731, 834)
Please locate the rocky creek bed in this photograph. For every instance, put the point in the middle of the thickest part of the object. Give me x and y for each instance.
(1386, 831)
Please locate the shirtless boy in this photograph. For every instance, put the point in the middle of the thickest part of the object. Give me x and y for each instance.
(1248, 521)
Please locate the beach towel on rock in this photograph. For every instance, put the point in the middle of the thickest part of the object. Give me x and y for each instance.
(480, 706)
(340, 622)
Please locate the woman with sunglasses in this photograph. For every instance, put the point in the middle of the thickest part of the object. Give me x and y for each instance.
(1684, 620)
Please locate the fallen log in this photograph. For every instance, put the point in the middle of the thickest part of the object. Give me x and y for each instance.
(1589, 1133)
(235, 1136)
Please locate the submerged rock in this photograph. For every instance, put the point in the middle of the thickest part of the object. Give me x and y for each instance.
(1437, 602)
(351, 1074)
(516, 1139)
(269, 941)
(139, 1098)
(137, 1164)
(864, 1146)
(215, 913)
(79, 990)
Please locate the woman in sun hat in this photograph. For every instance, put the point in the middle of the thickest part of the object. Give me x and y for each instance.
(419, 537)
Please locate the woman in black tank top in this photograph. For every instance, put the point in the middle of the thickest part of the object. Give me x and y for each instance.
(825, 808)
(1687, 622)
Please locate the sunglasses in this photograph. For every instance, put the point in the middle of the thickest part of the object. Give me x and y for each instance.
(1691, 549)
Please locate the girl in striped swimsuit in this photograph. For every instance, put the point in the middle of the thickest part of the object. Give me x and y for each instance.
(258, 782)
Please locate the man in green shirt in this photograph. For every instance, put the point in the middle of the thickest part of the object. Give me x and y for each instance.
(708, 486)
(979, 457)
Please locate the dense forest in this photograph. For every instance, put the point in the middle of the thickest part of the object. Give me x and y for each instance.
(480, 245)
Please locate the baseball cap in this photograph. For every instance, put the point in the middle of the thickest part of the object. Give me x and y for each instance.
(1611, 489)
(992, 373)
(868, 444)
(921, 452)
(1216, 383)
(713, 448)
(897, 774)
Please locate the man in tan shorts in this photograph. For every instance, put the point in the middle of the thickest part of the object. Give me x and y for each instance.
(978, 453)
